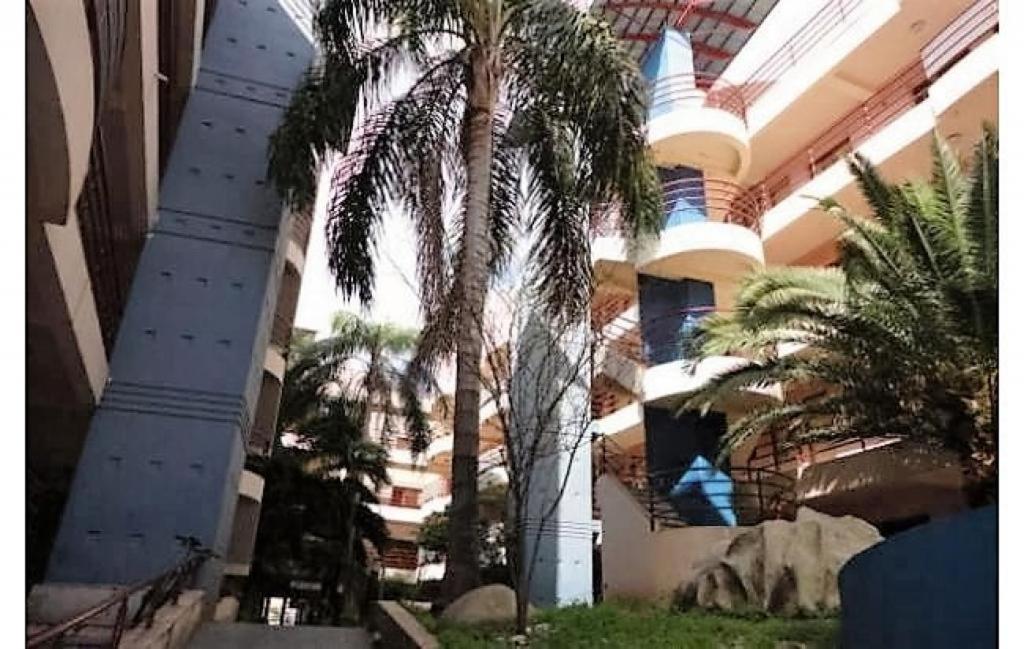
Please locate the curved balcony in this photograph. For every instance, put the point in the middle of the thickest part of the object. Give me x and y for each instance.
(699, 121)
(664, 345)
(711, 233)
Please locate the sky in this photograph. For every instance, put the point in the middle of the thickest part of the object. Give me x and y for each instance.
(395, 292)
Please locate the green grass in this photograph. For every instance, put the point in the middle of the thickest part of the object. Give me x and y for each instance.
(644, 625)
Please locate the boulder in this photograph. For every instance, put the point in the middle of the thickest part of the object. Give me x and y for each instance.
(487, 604)
(781, 567)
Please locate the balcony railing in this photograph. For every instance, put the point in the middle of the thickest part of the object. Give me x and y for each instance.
(773, 454)
(901, 93)
(665, 338)
(696, 90)
(688, 200)
(677, 496)
(826, 24)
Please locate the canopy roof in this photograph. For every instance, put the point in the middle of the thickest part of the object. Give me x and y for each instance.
(718, 28)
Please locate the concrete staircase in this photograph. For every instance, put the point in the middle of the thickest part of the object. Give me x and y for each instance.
(50, 604)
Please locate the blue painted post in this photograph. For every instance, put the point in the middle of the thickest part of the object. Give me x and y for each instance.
(166, 445)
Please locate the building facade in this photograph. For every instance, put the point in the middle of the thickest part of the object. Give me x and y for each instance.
(754, 105)
(163, 277)
(420, 485)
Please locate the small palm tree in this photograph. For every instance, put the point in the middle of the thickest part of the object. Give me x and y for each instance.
(344, 378)
(902, 337)
(315, 513)
(521, 114)
(365, 362)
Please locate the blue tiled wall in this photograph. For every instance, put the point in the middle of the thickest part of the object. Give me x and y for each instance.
(166, 446)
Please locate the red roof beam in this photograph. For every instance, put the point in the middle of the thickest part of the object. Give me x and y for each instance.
(723, 17)
(698, 47)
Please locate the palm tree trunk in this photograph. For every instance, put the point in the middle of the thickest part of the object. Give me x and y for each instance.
(462, 572)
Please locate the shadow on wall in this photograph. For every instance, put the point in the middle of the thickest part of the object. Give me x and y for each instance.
(931, 587)
(903, 461)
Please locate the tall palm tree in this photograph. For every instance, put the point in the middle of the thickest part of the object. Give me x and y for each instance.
(521, 114)
(902, 337)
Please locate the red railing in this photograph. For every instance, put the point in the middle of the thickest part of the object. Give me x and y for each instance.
(711, 198)
(902, 92)
(697, 89)
(661, 339)
(775, 454)
(970, 27)
(828, 22)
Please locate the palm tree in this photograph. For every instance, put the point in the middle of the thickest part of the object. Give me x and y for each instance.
(364, 361)
(521, 114)
(902, 337)
(315, 509)
(360, 363)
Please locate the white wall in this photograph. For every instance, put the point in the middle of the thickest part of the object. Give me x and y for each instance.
(636, 562)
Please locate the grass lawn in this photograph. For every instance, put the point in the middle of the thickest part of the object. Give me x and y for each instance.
(634, 625)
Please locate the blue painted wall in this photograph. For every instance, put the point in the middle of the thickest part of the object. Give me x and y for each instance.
(166, 446)
(685, 200)
(669, 312)
(933, 587)
(675, 446)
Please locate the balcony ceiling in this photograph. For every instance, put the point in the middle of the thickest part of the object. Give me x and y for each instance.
(719, 28)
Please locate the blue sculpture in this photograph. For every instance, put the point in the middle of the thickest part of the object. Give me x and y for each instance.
(703, 494)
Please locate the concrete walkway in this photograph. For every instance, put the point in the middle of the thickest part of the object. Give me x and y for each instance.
(261, 636)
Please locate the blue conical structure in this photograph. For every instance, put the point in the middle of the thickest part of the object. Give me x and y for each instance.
(668, 66)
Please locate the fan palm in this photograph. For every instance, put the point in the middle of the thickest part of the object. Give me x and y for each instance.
(521, 114)
(902, 337)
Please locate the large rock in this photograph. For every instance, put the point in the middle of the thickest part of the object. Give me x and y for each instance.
(782, 567)
(487, 604)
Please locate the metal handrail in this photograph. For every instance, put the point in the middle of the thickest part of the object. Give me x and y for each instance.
(757, 495)
(644, 344)
(719, 200)
(158, 591)
(821, 25)
(903, 91)
(775, 455)
(707, 90)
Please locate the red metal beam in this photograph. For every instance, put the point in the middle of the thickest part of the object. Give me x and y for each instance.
(698, 47)
(644, 4)
(723, 17)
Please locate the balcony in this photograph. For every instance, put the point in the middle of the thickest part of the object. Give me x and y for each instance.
(656, 360)
(711, 233)
(698, 122)
(949, 86)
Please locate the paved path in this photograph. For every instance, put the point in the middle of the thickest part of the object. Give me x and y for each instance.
(261, 636)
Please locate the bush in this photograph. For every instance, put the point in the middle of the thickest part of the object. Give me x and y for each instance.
(395, 589)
